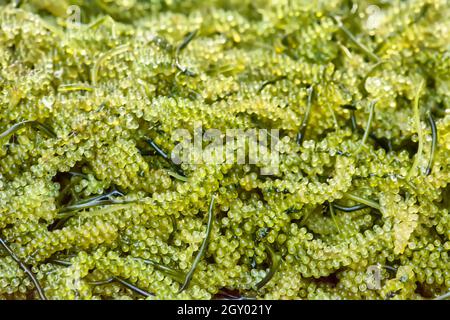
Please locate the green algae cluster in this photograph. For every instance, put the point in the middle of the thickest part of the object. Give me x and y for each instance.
(92, 207)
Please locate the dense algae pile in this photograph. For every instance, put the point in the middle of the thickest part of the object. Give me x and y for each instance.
(91, 208)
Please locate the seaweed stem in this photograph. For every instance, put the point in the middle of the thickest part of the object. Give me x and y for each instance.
(433, 143)
(347, 32)
(419, 131)
(349, 209)
(133, 287)
(203, 247)
(111, 53)
(109, 280)
(16, 127)
(369, 123)
(166, 157)
(177, 176)
(275, 261)
(189, 37)
(25, 269)
(75, 87)
(358, 199)
(301, 133)
(173, 273)
(334, 217)
(268, 82)
(102, 282)
(104, 199)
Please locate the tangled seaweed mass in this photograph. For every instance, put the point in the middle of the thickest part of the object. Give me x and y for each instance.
(92, 206)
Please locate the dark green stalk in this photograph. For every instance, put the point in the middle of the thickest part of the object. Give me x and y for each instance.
(203, 247)
(171, 272)
(382, 142)
(174, 228)
(61, 222)
(389, 268)
(102, 282)
(352, 116)
(358, 199)
(69, 211)
(348, 107)
(78, 174)
(353, 119)
(164, 155)
(301, 133)
(369, 123)
(177, 176)
(433, 143)
(104, 199)
(418, 156)
(267, 82)
(229, 296)
(189, 37)
(106, 196)
(25, 269)
(349, 209)
(81, 206)
(333, 217)
(63, 263)
(133, 287)
(96, 203)
(16, 127)
(118, 206)
(157, 149)
(109, 280)
(347, 32)
(275, 261)
(75, 87)
(111, 53)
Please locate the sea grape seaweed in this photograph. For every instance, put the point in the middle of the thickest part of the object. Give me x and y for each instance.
(93, 93)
